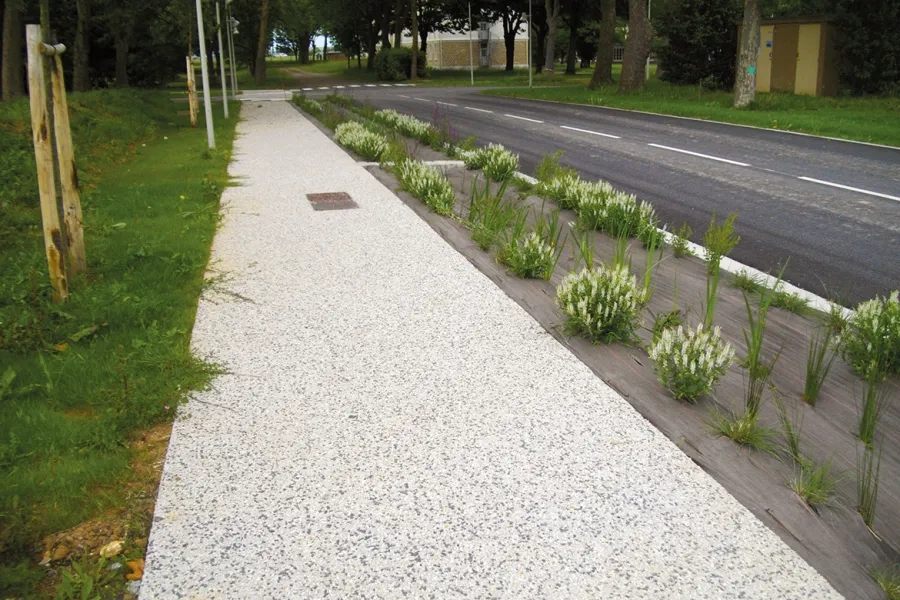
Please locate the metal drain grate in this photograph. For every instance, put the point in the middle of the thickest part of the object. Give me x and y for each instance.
(331, 201)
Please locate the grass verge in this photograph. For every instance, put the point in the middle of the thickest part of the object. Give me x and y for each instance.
(852, 118)
(84, 379)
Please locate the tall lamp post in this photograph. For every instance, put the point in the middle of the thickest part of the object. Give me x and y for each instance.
(222, 61)
(529, 44)
(471, 59)
(232, 29)
(647, 67)
(204, 68)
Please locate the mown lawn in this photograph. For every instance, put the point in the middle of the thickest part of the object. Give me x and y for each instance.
(868, 119)
(79, 381)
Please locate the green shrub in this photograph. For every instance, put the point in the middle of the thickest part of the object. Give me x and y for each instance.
(498, 163)
(603, 304)
(395, 64)
(355, 136)
(427, 184)
(689, 362)
(871, 341)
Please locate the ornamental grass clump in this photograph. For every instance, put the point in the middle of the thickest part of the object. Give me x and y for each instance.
(616, 213)
(311, 106)
(355, 136)
(690, 362)
(871, 340)
(403, 124)
(567, 190)
(603, 304)
(533, 255)
(498, 163)
(427, 184)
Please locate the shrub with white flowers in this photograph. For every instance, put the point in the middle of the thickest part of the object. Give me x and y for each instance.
(602, 303)
(403, 124)
(309, 105)
(531, 257)
(690, 362)
(570, 191)
(871, 342)
(427, 184)
(355, 136)
(618, 214)
(498, 163)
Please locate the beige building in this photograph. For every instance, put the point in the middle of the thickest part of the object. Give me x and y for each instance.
(485, 48)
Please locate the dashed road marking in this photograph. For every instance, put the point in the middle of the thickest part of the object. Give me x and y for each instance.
(422, 99)
(447, 103)
(307, 89)
(615, 137)
(522, 118)
(724, 160)
(852, 189)
(478, 109)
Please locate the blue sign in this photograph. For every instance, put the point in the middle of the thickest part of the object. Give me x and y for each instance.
(768, 43)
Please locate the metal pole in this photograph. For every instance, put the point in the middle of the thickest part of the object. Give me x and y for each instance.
(471, 60)
(647, 67)
(222, 61)
(204, 69)
(234, 88)
(529, 44)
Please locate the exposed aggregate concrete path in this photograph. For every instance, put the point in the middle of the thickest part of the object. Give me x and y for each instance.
(393, 425)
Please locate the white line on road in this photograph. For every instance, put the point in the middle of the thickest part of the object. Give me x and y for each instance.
(338, 87)
(354, 85)
(307, 89)
(478, 109)
(422, 99)
(448, 104)
(852, 189)
(724, 160)
(324, 87)
(371, 85)
(522, 118)
(385, 85)
(615, 137)
(402, 96)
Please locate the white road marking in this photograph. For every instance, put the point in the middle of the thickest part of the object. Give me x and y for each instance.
(403, 96)
(522, 118)
(724, 160)
(338, 87)
(852, 189)
(371, 85)
(448, 104)
(324, 87)
(422, 99)
(354, 85)
(307, 89)
(615, 137)
(478, 109)
(385, 85)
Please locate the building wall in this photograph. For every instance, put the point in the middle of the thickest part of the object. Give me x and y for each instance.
(454, 54)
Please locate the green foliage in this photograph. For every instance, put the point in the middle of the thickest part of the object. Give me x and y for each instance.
(670, 320)
(889, 580)
(116, 358)
(427, 184)
(875, 402)
(790, 301)
(533, 255)
(819, 359)
(85, 579)
(868, 471)
(744, 430)
(690, 362)
(395, 64)
(743, 280)
(679, 242)
(871, 341)
(868, 42)
(367, 144)
(701, 42)
(490, 214)
(816, 486)
(550, 168)
(603, 304)
(498, 163)
(719, 240)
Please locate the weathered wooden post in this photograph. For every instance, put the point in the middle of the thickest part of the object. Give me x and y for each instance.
(193, 104)
(43, 154)
(68, 172)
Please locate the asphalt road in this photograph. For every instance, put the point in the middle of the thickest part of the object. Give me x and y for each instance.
(841, 243)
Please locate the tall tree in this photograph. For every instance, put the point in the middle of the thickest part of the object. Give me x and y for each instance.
(573, 16)
(745, 82)
(262, 43)
(12, 67)
(606, 40)
(637, 46)
(415, 36)
(701, 42)
(81, 80)
(552, 8)
(121, 18)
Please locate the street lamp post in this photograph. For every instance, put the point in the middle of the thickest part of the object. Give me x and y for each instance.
(529, 45)
(471, 59)
(222, 61)
(204, 68)
(647, 66)
(232, 27)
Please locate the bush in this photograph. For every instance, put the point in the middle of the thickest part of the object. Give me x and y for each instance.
(355, 136)
(534, 255)
(498, 163)
(690, 362)
(395, 64)
(570, 191)
(427, 184)
(403, 124)
(871, 341)
(617, 213)
(602, 303)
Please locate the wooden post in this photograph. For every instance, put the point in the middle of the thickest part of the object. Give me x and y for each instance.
(43, 154)
(68, 172)
(192, 91)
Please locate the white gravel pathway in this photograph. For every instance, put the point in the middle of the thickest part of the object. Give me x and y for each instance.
(393, 425)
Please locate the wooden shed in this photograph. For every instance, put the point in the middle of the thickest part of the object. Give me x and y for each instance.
(798, 56)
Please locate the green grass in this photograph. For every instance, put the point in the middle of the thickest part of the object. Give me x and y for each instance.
(889, 580)
(115, 359)
(867, 119)
(744, 430)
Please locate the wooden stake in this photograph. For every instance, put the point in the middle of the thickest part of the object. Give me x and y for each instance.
(192, 91)
(68, 173)
(43, 155)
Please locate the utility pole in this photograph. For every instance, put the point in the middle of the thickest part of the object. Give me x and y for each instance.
(231, 28)
(529, 45)
(222, 61)
(471, 60)
(204, 68)
(647, 67)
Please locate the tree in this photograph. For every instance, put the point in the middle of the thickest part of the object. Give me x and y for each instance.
(606, 39)
(414, 30)
(13, 65)
(701, 42)
(745, 82)
(81, 80)
(869, 41)
(262, 43)
(295, 24)
(637, 46)
(512, 14)
(552, 9)
(120, 18)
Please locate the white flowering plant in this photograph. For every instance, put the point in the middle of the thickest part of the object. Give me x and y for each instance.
(689, 362)
(618, 214)
(355, 136)
(871, 340)
(533, 255)
(603, 303)
(308, 104)
(404, 124)
(427, 184)
(570, 191)
(498, 163)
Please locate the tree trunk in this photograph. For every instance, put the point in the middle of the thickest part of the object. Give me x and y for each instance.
(121, 42)
(304, 49)
(509, 40)
(415, 35)
(386, 24)
(81, 80)
(539, 48)
(603, 68)
(398, 23)
(373, 44)
(263, 43)
(423, 37)
(13, 82)
(745, 82)
(552, 7)
(637, 46)
(573, 46)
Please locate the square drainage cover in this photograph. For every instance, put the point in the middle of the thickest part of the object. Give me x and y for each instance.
(331, 201)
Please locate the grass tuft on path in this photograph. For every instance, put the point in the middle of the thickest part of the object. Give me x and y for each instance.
(874, 119)
(79, 380)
